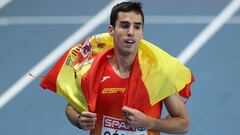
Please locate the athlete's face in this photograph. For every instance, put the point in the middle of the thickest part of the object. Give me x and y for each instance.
(127, 33)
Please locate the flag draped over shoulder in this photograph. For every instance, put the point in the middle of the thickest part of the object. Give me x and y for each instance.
(155, 75)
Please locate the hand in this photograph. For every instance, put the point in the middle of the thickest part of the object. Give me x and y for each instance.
(87, 120)
(136, 118)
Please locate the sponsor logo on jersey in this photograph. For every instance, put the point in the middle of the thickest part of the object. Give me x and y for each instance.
(117, 124)
(104, 78)
(112, 90)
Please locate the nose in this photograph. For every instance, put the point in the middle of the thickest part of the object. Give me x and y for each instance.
(131, 31)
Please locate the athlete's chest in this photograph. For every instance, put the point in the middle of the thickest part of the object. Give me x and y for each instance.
(111, 91)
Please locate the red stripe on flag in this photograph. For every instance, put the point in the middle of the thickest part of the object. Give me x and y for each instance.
(91, 80)
(137, 96)
(49, 81)
(186, 91)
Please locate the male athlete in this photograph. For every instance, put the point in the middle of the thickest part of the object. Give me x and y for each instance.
(112, 115)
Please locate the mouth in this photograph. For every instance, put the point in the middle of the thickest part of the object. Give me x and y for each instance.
(129, 41)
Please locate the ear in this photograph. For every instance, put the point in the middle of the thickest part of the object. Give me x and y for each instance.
(111, 30)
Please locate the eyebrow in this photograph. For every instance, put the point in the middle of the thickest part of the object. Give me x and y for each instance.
(126, 22)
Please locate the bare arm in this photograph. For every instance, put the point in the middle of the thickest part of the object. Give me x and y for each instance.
(177, 123)
(85, 120)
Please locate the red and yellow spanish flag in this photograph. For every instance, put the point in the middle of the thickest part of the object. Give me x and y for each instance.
(154, 76)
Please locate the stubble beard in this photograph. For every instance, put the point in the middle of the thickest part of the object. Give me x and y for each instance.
(125, 52)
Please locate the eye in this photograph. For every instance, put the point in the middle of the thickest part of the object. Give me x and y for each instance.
(137, 27)
(124, 25)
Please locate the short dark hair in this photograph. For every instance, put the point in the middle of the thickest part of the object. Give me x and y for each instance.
(125, 7)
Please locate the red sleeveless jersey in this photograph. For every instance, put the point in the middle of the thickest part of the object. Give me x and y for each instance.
(110, 103)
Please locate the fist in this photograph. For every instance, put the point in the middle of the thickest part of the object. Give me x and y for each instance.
(87, 120)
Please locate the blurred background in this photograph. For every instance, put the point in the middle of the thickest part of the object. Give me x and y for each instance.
(203, 34)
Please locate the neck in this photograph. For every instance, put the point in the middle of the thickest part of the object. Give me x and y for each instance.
(122, 64)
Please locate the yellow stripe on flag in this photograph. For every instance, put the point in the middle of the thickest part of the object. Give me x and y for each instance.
(68, 84)
(162, 74)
